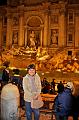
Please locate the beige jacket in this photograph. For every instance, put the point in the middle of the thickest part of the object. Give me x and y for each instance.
(28, 94)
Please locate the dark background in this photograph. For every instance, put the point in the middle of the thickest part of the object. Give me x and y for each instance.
(3, 2)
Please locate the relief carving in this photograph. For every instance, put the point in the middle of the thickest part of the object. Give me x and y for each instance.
(54, 37)
(15, 21)
(15, 37)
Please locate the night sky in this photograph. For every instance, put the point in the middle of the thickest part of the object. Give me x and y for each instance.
(3, 2)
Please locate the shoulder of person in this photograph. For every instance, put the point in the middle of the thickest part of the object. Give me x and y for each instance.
(26, 77)
(36, 75)
(56, 98)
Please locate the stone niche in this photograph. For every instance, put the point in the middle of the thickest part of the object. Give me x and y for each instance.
(33, 31)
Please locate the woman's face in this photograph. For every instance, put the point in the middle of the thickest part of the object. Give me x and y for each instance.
(31, 72)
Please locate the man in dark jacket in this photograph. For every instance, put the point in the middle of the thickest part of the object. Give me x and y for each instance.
(63, 103)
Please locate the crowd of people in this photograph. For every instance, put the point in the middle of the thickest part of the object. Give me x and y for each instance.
(66, 103)
(48, 87)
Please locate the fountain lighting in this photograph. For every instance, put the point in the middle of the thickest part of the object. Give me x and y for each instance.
(42, 73)
(12, 68)
(75, 58)
(58, 70)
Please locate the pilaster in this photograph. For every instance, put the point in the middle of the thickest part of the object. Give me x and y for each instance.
(41, 36)
(25, 37)
(77, 30)
(46, 23)
(21, 30)
(9, 31)
(62, 29)
(0, 33)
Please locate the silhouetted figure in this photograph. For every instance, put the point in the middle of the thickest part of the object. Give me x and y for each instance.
(5, 74)
(46, 89)
(44, 82)
(17, 79)
(53, 84)
(60, 87)
(51, 91)
(75, 107)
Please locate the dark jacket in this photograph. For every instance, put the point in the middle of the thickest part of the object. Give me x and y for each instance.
(75, 106)
(63, 103)
(5, 76)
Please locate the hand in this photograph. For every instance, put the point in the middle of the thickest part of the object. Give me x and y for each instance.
(35, 97)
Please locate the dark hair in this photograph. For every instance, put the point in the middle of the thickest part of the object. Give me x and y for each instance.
(16, 71)
(60, 87)
(31, 66)
(6, 64)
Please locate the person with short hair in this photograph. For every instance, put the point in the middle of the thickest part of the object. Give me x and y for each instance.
(63, 102)
(32, 89)
(5, 75)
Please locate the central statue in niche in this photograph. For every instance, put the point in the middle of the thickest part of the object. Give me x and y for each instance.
(32, 39)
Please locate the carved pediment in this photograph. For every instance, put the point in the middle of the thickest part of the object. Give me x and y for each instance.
(34, 22)
(36, 2)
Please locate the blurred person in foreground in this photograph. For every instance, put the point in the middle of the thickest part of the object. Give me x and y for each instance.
(32, 89)
(63, 102)
(75, 105)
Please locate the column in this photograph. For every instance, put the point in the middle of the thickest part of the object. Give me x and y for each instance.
(77, 30)
(0, 33)
(49, 33)
(62, 29)
(41, 35)
(41, 38)
(25, 37)
(21, 31)
(9, 32)
(45, 41)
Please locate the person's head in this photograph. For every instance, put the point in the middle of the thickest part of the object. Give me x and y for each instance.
(70, 86)
(31, 69)
(44, 79)
(60, 88)
(16, 71)
(53, 80)
(60, 81)
(6, 64)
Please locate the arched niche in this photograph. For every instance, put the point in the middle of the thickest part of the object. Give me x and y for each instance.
(34, 25)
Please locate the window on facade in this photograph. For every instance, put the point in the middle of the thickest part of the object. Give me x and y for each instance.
(70, 38)
(70, 18)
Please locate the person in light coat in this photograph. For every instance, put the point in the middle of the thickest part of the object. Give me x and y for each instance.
(32, 89)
